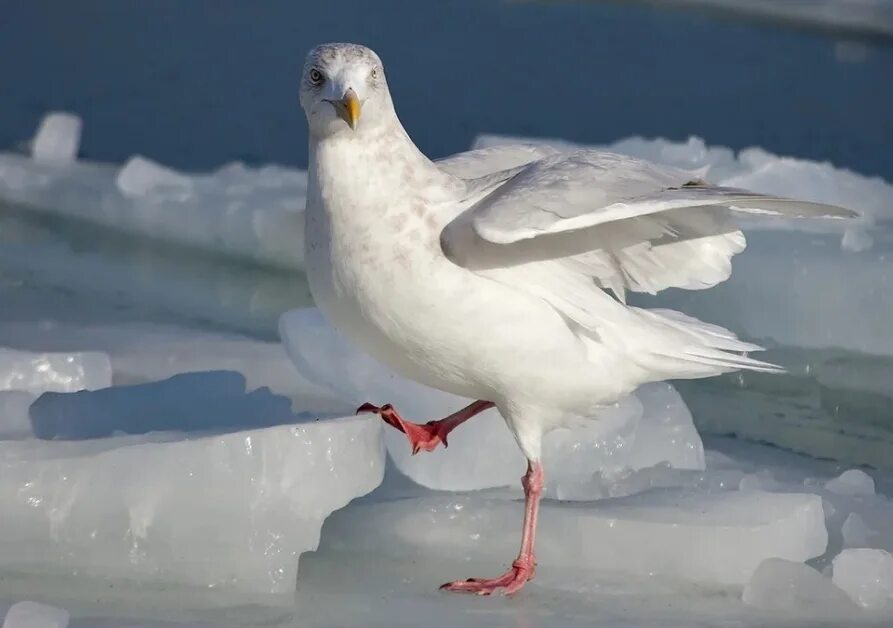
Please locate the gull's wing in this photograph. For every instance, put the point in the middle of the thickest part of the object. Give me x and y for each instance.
(484, 161)
(628, 223)
(586, 188)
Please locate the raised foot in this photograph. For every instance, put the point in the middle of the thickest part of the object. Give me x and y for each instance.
(510, 582)
(421, 437)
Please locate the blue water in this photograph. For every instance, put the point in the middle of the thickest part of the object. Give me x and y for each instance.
(197, 83)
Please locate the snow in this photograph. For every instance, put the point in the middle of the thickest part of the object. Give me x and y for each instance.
(57, 140)
(61, 372)
(34, 615)
(851, 482)
(784, 585)
(649, 428)
(866, 575)
(234, 510)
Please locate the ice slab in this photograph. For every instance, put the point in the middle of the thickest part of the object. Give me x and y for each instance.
(14, 419)
(783, 585)
(61, 372)
(851, 482)
(249, 213)
(33, 615)
(232, 510)
(651, 427)
(866, 575)
(58, 139)
(716, 539)
(146, 352)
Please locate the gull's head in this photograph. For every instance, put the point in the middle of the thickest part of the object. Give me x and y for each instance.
(343, 90)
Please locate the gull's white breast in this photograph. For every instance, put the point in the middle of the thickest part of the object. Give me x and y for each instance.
(376, 269)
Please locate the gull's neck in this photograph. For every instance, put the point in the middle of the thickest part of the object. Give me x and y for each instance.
(371, 160)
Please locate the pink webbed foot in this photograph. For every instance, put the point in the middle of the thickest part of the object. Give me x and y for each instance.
(510, 582)
(421, 437)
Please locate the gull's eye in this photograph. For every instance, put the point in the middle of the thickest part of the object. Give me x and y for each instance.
(316, 77)
(374, 73)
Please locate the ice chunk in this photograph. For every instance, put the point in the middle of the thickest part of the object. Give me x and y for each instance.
(851, 482)
(856, 533)
(58, 138)
(143, 352)
(712, 539)
(233, 510)
(866, 575)
(14, 421)
(248, 213)
(649, 428)
(140, 176)
(783, 585)
(34, 615)
(62, 372)
(188, 402)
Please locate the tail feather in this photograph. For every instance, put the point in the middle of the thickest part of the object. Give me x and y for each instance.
(698, 349)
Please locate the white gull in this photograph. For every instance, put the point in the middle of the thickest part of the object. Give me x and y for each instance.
(500, 274)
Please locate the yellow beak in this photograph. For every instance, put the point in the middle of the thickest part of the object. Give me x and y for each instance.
(348, 108)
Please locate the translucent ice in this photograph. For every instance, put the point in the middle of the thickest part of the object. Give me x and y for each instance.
(62, 372)
(783, 585)
(866, 575)
(57, 140)
(851, 482)
(712, 539)
(229, 510)
(34, 615)
(653, 426)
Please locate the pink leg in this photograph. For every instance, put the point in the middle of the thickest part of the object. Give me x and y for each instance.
(432, 433)
(524, 566)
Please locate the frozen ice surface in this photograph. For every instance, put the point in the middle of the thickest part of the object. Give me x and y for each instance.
(14, 419)
(141, 176)
(61, 372)
(866, 575)
(783, 585)
(233, 510)
(34, 615)
(652, 426)
(851, 482)
(715, 539)
(58, 138)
